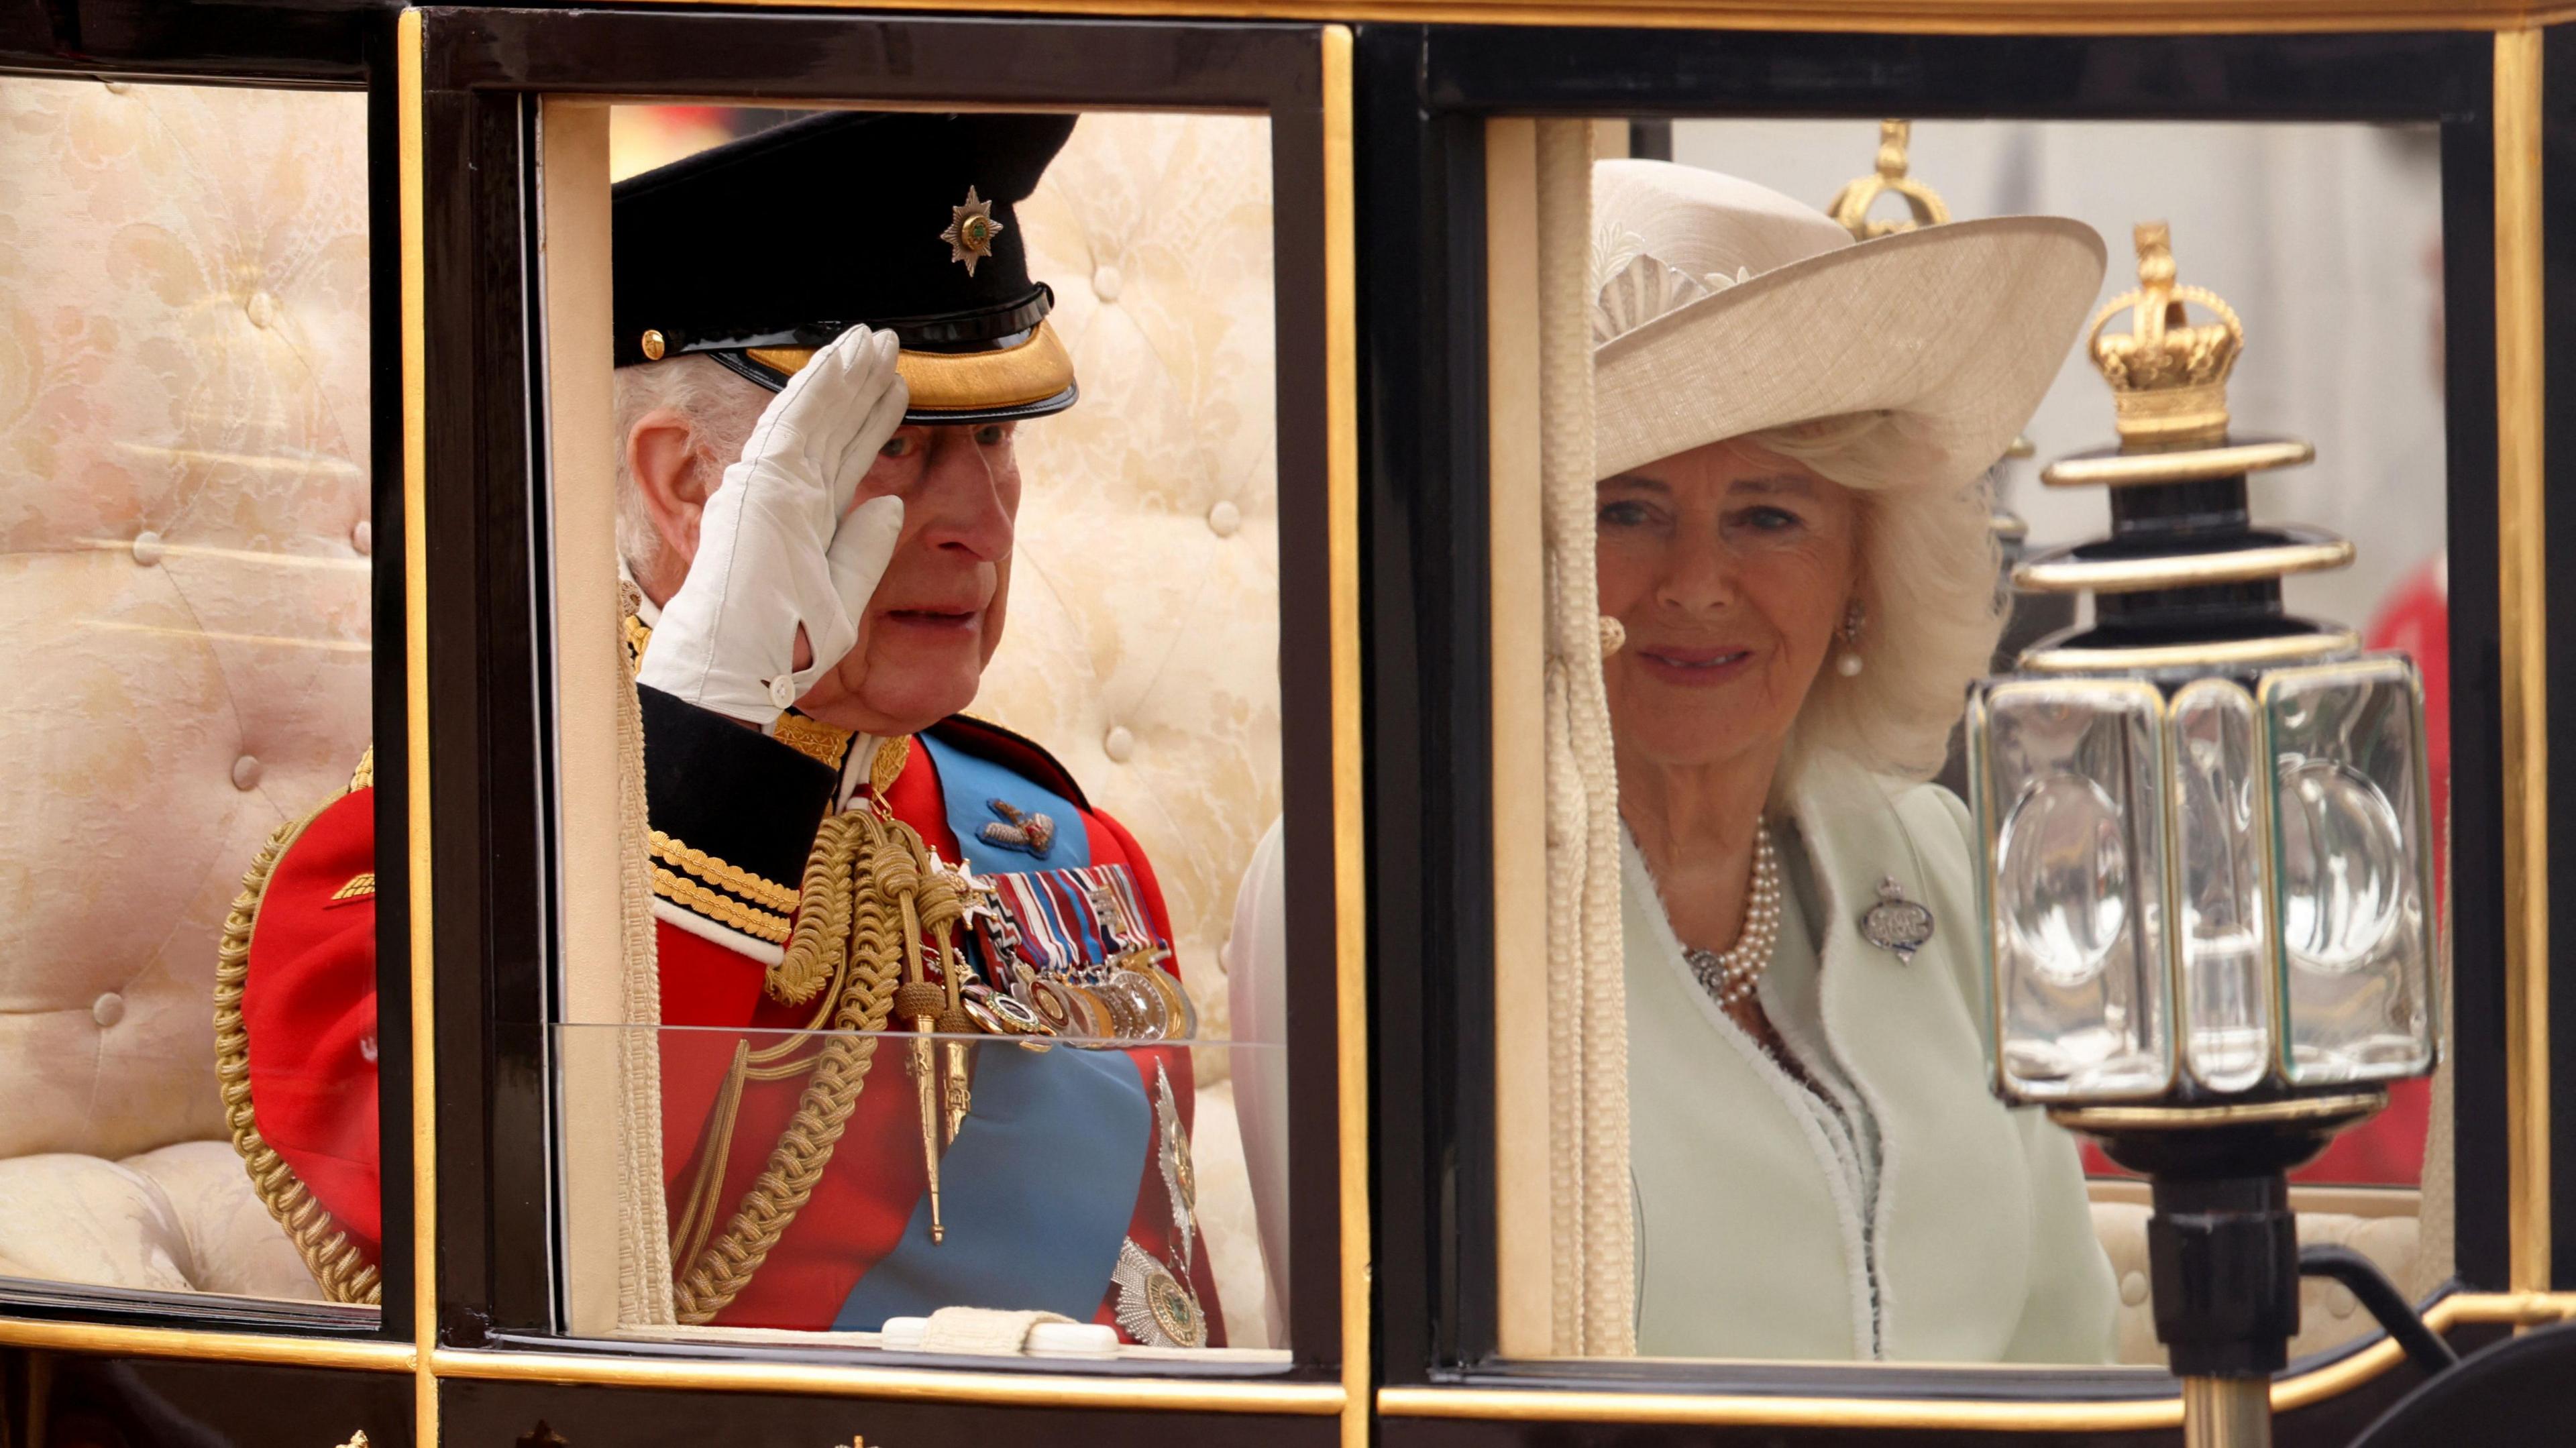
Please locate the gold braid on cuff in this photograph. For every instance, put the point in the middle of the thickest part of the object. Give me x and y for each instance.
(337, 1266)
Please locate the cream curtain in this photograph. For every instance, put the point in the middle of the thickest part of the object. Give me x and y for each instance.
(1594, 1284)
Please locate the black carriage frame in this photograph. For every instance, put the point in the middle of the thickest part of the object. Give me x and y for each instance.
(497, 937)
(1421, 94)
(1424, 96)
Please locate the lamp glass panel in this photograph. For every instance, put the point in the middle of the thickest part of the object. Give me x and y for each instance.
(2354, 870)
(2222, 924)
(2071, 804)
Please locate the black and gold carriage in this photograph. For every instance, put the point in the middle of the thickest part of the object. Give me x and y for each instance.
(307, 352)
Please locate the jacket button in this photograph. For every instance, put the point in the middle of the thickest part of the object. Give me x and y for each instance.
(782, 691)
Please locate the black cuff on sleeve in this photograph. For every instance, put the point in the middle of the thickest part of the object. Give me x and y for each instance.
(713, 784)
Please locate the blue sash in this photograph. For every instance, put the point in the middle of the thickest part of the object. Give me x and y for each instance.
(968, 786)
(1036, 1192)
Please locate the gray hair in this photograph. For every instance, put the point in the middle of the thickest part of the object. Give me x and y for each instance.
(1927, 575)
(721, 408)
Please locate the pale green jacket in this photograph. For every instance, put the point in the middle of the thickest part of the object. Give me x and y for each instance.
(1751, 1242)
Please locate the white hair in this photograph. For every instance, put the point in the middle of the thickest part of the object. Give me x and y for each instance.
(1927, 587)
(721, 409)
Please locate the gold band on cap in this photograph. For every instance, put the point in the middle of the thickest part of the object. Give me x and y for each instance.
(1033, 371)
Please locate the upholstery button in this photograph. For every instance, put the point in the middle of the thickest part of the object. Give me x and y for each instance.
(119, 87)
(246, 771)
(108, 1009)
(263, 310)
(1105, 283)
(362, 537)
(782, 691)
(1224, 518)
(1120, 744)
(147, 548)
(2133, 1288)
(2340, 1301)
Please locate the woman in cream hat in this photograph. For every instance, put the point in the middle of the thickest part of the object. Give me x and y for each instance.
(1792, 435)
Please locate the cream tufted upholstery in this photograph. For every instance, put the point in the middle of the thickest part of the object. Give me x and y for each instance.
(183, 592)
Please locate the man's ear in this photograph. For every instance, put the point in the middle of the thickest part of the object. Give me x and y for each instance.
(664, 456)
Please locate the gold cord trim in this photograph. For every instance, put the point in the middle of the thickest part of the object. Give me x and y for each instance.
(337, 1266)
(887, 765)
(866, 873)
(715, 871)
(365, 776)
(813, 738)
(722, 909)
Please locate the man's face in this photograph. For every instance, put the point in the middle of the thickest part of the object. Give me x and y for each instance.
(937, 615)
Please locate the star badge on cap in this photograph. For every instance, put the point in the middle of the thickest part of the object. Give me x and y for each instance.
(970, 233)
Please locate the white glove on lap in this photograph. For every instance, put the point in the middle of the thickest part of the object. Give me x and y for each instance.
(779, 546)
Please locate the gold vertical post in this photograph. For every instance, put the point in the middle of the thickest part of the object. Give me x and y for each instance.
(2523, 614)
(1350, 874)
(415, 424)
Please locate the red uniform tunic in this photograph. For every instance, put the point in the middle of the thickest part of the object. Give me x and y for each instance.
(754, 804)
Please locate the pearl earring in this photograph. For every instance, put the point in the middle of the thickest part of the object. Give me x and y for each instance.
(1849, 664)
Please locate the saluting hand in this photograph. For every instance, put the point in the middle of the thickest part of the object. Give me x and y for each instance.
(783, 560)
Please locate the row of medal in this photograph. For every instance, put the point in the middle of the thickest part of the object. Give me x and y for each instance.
(1070, 954)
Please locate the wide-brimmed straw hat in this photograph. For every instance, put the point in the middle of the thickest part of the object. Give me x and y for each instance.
(1723, 308)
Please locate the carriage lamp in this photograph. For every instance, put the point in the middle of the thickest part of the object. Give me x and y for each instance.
(2207, 899)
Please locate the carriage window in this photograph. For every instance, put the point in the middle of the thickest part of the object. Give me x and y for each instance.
(188, 1033)
(933, 554)
(1844, 434)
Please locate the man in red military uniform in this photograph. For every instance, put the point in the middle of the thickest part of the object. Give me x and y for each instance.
(817, 501)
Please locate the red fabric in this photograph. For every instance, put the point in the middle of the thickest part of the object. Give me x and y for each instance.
(309, 1008)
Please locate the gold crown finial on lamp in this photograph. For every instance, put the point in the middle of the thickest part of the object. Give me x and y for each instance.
(1851, 205)
(2168, 375)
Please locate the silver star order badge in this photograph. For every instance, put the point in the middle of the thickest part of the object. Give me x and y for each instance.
(970, 233)
(1154, 1306)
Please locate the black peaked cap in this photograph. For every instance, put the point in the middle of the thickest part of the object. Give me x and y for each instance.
(788, 237)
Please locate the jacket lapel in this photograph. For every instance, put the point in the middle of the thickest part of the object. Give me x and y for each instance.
(1951, 1171)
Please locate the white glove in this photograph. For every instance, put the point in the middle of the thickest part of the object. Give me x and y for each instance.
(779, 546)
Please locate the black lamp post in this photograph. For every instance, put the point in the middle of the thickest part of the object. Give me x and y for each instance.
(2208, 895)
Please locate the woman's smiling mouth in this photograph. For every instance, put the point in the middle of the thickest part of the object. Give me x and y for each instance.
(1694, 668)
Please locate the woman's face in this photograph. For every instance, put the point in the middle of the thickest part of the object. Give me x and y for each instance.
(1730, 568)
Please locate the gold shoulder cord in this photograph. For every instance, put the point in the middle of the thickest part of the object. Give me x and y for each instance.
(870, 889)
(335, 1262)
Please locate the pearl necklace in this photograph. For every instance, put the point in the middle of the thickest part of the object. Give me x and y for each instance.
(1731, 977)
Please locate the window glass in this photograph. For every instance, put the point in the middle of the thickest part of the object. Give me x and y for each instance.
(1805, 483)
(996, 901)
(186, 1024)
